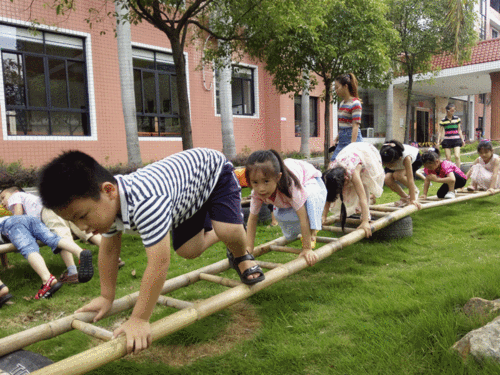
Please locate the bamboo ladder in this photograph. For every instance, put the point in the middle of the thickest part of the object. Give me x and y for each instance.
(189, 312)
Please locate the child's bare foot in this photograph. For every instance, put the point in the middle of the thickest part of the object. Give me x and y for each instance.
(471, 188)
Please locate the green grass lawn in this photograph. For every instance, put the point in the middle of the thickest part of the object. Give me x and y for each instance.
(371, 308)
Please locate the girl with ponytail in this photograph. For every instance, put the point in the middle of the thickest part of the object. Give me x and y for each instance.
(349, 113)
(297, 192)
(356, 173)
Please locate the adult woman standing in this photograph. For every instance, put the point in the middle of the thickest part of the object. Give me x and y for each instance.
(450, 134)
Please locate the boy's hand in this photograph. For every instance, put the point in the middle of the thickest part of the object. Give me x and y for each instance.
(100, 305)
(310, 257)
(423, 196)
(138, 333)
(416, 203)
(367, 228)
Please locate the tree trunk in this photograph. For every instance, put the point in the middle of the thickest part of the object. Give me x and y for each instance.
(226, 109)
(328, 100)
(305, 121)
(127, 85)
(408, 109)
(182, 92)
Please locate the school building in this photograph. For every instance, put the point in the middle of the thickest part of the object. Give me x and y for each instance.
(61, 91)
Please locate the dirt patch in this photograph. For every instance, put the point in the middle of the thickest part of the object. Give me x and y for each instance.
(243, 325)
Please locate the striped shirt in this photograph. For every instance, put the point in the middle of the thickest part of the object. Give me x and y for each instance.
(164, 194)
(349, 112)
(451, 127)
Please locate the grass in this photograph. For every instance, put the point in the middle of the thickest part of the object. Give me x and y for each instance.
(371, 308)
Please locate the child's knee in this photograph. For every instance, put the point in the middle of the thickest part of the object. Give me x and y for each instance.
(188, 252)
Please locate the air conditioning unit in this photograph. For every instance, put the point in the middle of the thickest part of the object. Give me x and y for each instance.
(370, 132)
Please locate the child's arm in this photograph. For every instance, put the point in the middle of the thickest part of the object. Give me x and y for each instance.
(470, 169)
(251, 230)
(450, 177)
(305, 230)
(18, 209)
(137, 328)
(427, 182)
(355, 129)
(494, 175)
(325, 211)
(461, 135)
(411, 182)
(363, 201)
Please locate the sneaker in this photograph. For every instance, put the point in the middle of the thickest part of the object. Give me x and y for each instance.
(121, 263)
(47, 290)
(67, 279)
(86, 270)
(450, 195)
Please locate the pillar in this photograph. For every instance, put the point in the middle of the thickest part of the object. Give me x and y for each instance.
(495, 106)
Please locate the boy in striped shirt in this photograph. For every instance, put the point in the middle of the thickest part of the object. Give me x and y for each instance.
(187, 193)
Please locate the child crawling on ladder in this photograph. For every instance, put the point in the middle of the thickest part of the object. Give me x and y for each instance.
(190, 193)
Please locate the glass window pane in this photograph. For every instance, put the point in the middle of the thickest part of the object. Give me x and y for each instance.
(77, 87)
(13, 78)
(63, 45)
(175, 98)
(138, 90)
(38, 122)
(67, 123)
(247, 98)
(165, 97)
(58, 84)
(36, 81)
(20, 39)
(146, 126)
(149, 92)
(165, 62)
(169, 127)
(237, 96)
(16, 122)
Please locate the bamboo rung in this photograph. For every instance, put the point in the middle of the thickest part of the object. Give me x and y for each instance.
(383, 208)
(173, 302)
(268, 265)
(219, 280)
(285, 249)
(325, 239)
(92, 330)
(338, 229)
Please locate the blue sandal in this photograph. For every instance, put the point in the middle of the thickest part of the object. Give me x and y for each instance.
(5, 298)
(234, 262)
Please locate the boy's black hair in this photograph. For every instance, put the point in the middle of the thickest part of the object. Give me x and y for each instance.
(431, 155)
(391, 151)
(485, 144)
(334, 181)
(277, 167)
(70, 176)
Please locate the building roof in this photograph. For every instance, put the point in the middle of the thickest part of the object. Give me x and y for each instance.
(483, 52)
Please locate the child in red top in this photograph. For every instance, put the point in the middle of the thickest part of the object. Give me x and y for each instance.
(444, 172)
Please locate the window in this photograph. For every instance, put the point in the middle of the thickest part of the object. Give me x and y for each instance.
(482, 19)
(156, 101)
(45, 83)
(494, 33)
(482, 98)
(242, 91)
(313, 116)
(495, 4)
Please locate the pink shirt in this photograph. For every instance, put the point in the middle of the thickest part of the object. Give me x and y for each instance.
(305, 173)
(445, 168)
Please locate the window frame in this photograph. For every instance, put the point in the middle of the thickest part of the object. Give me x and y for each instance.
(168, 51)
(255, 89)
(89, 84)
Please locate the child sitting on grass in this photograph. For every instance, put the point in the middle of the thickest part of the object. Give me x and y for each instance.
(5, 296)
(23, 231)
(483, 173)
(295, 188)
(354, 176)
(17, 201)
(189, 193)
(401, 162)
(444, 172)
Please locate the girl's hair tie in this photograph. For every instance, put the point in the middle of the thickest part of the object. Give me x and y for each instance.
(390, 144)
(432, 149)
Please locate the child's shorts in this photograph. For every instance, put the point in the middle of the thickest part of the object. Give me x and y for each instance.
(23, 231)
(224, 205)
(288, 219)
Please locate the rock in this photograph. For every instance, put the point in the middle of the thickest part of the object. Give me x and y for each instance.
(480, 306)
(481, 343)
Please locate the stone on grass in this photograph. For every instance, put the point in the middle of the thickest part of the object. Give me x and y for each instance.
(482, 307)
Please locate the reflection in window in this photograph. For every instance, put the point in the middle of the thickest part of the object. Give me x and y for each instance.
(313, 116)
(155, 84)
(242, 91)
(45, 83)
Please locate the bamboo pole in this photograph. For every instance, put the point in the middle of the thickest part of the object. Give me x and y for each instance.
(285, 249)
(110, 351)
(268, 265)
(383, 208)
(92, 330)
(338, 229)
(325, 239)
(174, 302)
(224, 281)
